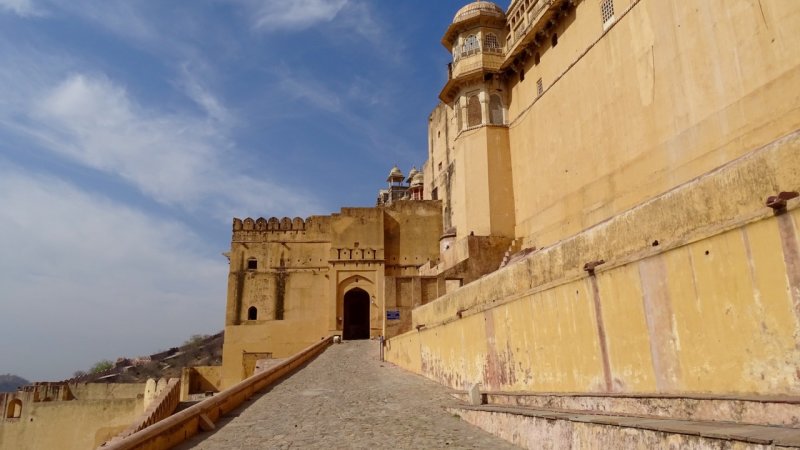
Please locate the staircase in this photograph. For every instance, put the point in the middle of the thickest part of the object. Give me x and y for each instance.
(515, 253)
(565, 421)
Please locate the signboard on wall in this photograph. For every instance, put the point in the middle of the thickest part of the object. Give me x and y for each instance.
(392, 314)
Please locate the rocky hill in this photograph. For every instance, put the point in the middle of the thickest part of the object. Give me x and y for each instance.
(10, 383)
(197, 351)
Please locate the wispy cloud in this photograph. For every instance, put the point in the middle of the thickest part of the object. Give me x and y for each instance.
(280, 15)
(200, 94)
(98, 279)
(24, 8)
(177, 159)
(352, 105)
(119, 17)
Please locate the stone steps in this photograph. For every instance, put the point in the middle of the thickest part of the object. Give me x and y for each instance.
(513, 248)
(636, 421)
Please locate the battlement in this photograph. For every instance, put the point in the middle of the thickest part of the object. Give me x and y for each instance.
(271, 224)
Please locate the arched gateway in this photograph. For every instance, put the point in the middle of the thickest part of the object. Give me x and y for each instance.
(356, 314)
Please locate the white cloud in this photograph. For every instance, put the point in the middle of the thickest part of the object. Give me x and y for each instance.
(275, 15)
(83, 278)
(24, 8)
(177, 159)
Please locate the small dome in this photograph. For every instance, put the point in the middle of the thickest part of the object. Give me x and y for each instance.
(395, 175)
(417, 179)
(476, 8)
(412, 173)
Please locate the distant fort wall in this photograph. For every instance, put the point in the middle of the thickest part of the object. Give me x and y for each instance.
(68, 416)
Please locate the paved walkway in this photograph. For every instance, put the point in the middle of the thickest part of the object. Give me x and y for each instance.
(346, 398)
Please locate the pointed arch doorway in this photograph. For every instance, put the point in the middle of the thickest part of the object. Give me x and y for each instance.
(356, 314)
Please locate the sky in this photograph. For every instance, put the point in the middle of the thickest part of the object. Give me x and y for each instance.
(132, 132)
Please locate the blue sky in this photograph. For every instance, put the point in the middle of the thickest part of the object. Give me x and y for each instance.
(131, 132)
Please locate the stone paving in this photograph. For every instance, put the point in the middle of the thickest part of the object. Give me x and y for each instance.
(346, 398)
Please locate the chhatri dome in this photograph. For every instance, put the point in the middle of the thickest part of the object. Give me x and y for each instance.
(417, 179)
(476, 8)
(395, 175)
(411, 173)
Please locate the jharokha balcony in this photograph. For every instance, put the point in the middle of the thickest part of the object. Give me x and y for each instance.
(475, 60)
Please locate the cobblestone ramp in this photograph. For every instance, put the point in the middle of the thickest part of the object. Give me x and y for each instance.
(347, 398)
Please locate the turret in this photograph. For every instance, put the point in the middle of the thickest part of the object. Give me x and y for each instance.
(476, 38)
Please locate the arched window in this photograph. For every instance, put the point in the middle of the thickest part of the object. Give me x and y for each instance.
(471, 45)
(252, 313)
(495, 110)
(491, 44)
(14, 410)
(474, 111)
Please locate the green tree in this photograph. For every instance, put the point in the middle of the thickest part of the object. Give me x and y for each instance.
(101, 366)
(196, 339)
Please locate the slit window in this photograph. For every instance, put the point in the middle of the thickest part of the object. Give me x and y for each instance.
(474, 116)
(495, 110)
(539, 87)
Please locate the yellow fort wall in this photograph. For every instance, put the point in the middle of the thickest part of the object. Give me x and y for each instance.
(712, 307)
(94, 413)
(674, 89)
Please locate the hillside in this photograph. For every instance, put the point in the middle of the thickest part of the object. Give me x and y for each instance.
(198, 351)
(10, 383)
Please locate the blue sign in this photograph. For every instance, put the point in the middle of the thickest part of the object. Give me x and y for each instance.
(393, 314)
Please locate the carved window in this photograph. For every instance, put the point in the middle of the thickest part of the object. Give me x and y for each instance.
(539, 87)
(554, 40)
(495, 110)
(607, 11)
(474, 111)
(471, 45)
(491, 44)
(252, 264)
(252, 313)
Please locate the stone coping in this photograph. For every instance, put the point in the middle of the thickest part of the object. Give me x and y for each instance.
(690, 396)
(754, 434)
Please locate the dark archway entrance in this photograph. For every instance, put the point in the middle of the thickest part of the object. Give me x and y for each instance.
(356, 314)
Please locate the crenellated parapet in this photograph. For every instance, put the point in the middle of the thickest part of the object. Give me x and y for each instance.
(347, 254)
(271, 224)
